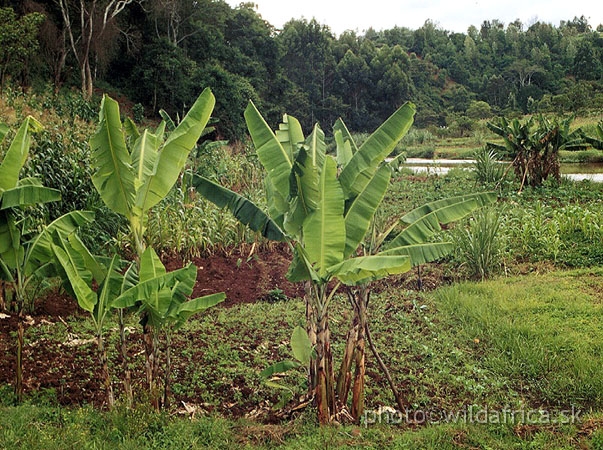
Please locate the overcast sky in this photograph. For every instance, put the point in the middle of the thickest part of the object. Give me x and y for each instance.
(450, 15)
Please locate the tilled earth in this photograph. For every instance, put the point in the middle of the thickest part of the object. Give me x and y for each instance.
(67, 366)
(63, 366)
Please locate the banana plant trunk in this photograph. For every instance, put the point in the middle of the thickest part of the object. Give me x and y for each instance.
(311, 330)
(326, 403)
(344, 377)
(167, 385)
(354, 355)
(359, 351)
(102, 356)
(151, 364)
(19, 365)
(124, 360)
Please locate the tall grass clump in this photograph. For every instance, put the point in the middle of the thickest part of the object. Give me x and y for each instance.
(487, 166)
(479, 245)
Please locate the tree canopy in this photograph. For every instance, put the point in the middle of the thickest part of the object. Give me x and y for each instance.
(162, 53)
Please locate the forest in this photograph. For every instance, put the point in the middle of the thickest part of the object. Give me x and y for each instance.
(161, 54)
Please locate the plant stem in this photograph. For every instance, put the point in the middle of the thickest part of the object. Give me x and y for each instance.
(124, 360)
(398, 398)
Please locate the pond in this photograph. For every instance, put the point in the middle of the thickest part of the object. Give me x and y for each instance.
(576, 172)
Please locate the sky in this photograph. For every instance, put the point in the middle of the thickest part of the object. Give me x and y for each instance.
(450, 15)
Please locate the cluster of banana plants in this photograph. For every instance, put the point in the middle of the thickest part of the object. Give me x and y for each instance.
(133, 172)
(534, 145)
(323, 206)
(25, 252)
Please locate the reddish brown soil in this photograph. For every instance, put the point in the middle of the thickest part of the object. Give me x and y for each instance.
(72, 371)
(65, 369)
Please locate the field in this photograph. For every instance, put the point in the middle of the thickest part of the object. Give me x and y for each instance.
(503, 351)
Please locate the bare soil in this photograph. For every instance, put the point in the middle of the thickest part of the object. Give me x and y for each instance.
(68, 368)
(65, 368)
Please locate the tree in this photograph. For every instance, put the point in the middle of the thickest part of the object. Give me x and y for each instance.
(87, 24)
(18, 42)
(479, 110)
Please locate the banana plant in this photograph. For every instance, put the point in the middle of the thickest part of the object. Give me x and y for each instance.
(80, 270)
(323, 213)
(25, 252)
(534, 145)
(162, 294)
(421, 224)
(162, 297)
(135, 170)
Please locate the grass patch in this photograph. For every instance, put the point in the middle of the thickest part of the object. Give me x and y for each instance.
(542, 335)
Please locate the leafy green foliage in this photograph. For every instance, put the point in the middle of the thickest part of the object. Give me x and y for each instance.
(17, 42)
(534, 145)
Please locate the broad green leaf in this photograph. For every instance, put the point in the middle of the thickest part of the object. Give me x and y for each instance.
(324, 229)
(76, 259)
(360, 270)
(419, 231)
(27, 195)
(108, 292)
(362, 210)
(343, 149)
(150, 265)
(301, 345)
(4, 129)
(305, 193)
(482, 199)
(91, 263)
(243, 209)
(346, 137)
(167, 119)
(131, 129)
(16, 155)
(300, 268)
(144, 157)
(196, 305)
(277, 204)
(84, 295)
(277, 161)
(290, 135)
(11, 250)
(174, 153)
(421, 253)
(316, 146)
(5, 272)
(114, 176)
(359, 171)
(130, 278)
(279, 367)
(148, 289)
(40, 247)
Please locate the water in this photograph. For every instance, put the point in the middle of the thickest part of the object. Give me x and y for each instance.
(576, 172)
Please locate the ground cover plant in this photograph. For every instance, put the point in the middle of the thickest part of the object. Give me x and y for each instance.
(526, 339)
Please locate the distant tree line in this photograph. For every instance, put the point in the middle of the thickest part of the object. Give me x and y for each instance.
(162, 53)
